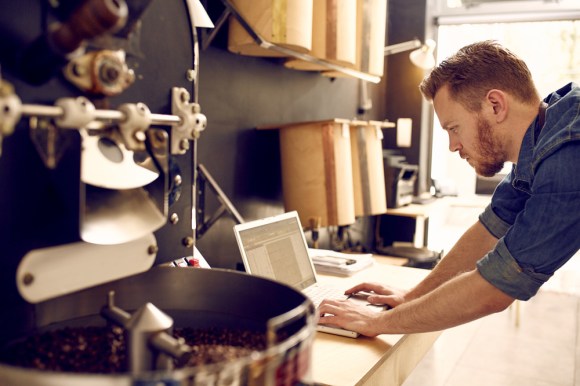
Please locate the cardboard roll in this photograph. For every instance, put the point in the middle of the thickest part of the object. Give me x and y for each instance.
(332, 170)
(367, 167)
(371, 24)
(281, 22)
(333, 35)
(317, 171)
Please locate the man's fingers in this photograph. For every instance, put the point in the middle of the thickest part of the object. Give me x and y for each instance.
(326, 319)
(356, 288)
(380, 299)
(328, 307)
(368, 287)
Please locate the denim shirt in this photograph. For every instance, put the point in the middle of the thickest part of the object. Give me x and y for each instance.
(535, 210)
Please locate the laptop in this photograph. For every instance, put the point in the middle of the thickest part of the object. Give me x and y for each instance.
(275, 248)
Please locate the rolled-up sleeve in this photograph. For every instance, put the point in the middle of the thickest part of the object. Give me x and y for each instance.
(506, 203)
(503, 271)
(545, 232)
(493, 223)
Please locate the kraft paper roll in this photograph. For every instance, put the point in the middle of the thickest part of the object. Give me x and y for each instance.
(287, 23)
(333, 35)
(371, 27)
(317, 171)
(368, 169)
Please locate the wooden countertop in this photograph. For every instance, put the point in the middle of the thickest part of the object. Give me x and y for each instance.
(420, 210)
(384, 360)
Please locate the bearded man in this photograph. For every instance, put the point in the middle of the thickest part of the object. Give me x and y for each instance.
(486, 101)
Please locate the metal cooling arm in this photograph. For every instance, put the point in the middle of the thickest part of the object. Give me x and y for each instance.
(147, 328)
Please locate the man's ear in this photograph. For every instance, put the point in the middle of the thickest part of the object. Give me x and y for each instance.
(498, 102)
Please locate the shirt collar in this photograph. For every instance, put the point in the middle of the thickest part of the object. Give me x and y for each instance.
(523, 169)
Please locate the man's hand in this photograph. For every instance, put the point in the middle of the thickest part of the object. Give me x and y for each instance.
(380, 294)
(354, 316)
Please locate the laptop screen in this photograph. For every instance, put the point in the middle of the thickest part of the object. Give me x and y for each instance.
(275, 248)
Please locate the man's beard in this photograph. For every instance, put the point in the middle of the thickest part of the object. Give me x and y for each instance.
(491, 156)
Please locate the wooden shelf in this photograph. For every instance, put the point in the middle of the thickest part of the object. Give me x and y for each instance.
(231, 10)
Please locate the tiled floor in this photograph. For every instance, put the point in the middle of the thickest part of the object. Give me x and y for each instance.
(539, 348)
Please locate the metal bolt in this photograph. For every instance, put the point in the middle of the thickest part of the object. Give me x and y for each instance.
(188, 241)
(177, 180)
(174, 219)
(190, 75)
(78, 69)
(184, 96)
(28, 279)
(110, 73)
(152, 249)
(184, 144)
(140, 136)
(141, 108)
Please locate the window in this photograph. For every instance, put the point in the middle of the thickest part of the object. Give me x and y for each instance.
(550, 46)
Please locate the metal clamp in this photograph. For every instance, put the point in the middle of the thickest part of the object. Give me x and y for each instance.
(192, 121)
(100, 72)
(137, 121)
(77, 112)
(10, 110)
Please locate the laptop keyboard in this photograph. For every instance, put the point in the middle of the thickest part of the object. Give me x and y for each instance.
(318, 293)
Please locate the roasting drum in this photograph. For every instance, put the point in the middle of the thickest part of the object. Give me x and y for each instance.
(193, 297)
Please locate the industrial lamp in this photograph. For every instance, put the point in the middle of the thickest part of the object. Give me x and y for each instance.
(422, 56)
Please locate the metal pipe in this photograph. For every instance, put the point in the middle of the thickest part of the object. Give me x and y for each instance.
(32, 110)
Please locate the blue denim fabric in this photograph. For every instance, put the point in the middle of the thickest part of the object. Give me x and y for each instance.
(535, 210)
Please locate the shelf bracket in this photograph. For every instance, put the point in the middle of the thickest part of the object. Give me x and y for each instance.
(204, 224)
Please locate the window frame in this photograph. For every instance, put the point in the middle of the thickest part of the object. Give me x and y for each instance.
(503, 11)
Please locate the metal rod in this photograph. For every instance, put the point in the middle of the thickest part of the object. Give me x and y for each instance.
(163, 119)
(209, 37)
(221, 196)
(41, 110)
(103, 115)
(402, 47)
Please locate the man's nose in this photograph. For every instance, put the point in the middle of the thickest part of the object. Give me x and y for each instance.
(454, 144)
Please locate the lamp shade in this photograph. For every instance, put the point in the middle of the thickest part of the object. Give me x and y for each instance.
(424, 57)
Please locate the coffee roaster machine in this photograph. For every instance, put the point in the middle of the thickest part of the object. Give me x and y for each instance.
(99, 123)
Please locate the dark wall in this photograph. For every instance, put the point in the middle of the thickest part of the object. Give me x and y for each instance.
(239, 93)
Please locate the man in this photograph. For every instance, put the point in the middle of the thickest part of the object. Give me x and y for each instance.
(486, 100)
